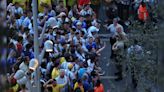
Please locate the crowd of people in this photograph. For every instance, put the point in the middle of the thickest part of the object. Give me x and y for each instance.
(72, 65)
(72, 26)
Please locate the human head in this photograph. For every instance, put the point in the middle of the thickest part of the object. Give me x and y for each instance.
(79, 25)
(16, 4)
(98, 83)
(143, 4)
(66, 25)
(46, 8)
(119, 31)
(115, 21)
(62, 73)
(29, 13)
(61, 3)
(74, 7)
(90, 39)
(86, 7)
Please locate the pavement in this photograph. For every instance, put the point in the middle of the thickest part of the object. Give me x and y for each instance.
(107, 65)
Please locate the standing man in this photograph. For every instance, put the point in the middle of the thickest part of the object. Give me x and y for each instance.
(112, 28)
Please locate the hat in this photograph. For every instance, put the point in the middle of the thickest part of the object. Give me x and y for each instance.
(33, 64)
(62, 14)
(67, 20)
(52, 13)
(78, 23)
(93, 29)
(40, 15)
(70, 66)
(55, 27)
(62, 59)
(52, 22)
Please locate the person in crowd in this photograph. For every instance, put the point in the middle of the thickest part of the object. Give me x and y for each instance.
(143, 13)
(113, 31)
(23, 3)
(55, 71)
(135, 6)
(99, 87)
(62, 79)
(23, 89)
(55, 87)
(74, 35)
(118, 48)
(137, 51)
(61, 8)
(78, 86)
(86, 10)
(42, 3)
(73, 14)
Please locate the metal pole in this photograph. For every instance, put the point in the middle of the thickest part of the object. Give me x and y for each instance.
(36, 44)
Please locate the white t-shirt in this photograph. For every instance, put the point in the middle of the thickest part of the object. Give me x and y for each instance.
(90, 66)
(26, 22)
(92, 29)
(23, 67)
(85, 12)
(60, 80)
(113, 28)
(19, 10)
(70, 74)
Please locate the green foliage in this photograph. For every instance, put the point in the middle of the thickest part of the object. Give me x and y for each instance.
(145, 68)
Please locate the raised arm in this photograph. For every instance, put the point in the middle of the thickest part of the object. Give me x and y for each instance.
(46, 84)
(99, 50)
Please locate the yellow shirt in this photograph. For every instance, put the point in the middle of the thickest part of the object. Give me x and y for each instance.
(21, 2)
(62, 59)
(76, 86)
(55, 73)
(15, 88)
(40, 2)
(57, 87)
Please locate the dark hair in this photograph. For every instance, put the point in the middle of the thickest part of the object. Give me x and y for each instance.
(79, 81)
(20, 38)
(143, 3)
(98, 83)
(135, 41)
(77, 90)
(54, 79)
(23, 86)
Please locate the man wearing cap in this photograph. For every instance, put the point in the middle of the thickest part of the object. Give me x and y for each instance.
(79, 27)
(69, 73)
(93, 30)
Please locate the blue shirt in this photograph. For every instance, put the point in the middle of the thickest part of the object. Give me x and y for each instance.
(81, 72)
(86, 85)
(93, 45)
